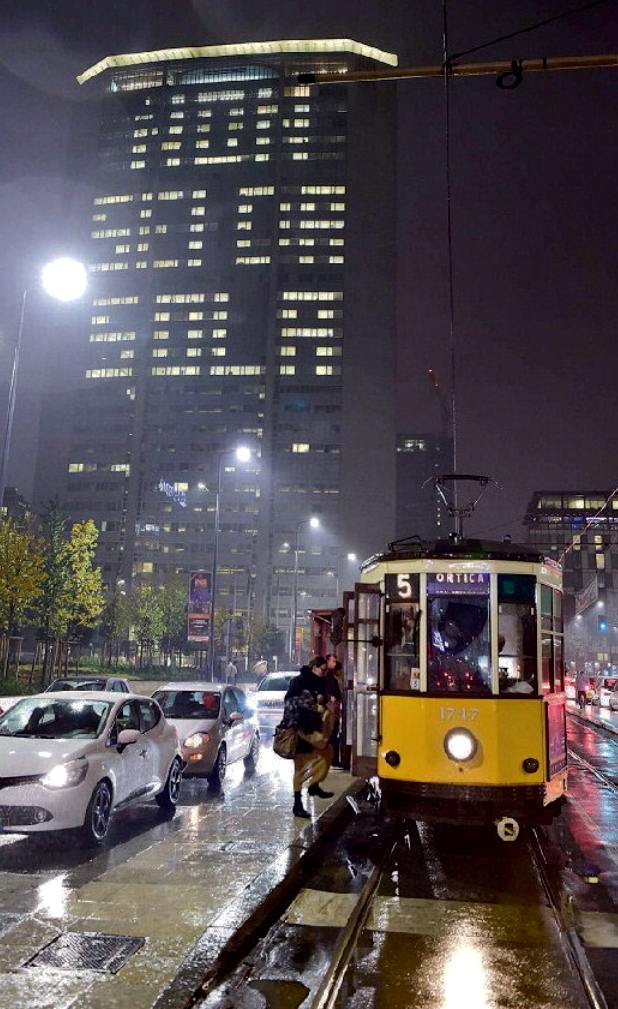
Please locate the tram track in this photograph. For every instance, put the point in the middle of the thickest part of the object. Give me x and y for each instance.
(604, 778)
(573, 949)
(274, 971)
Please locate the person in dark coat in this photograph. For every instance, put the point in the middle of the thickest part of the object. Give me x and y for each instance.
(306, 710)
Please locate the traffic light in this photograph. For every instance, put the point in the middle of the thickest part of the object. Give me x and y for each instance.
(602, 624)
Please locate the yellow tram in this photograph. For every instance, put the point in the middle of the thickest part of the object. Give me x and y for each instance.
(454, 671)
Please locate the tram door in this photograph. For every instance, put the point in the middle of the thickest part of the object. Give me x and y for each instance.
(364, 653)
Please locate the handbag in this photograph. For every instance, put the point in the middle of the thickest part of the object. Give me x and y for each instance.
(284, 742)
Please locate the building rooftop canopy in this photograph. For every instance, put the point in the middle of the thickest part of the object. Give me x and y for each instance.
(316, 46)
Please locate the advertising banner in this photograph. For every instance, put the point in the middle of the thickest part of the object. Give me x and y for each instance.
(199, 607)
(556, 738)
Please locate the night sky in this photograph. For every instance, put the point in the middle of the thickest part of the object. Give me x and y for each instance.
(534, 215)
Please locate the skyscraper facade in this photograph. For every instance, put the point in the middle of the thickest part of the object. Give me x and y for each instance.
(242, 281)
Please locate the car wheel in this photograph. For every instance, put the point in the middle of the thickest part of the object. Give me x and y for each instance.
(216, 776)
(98, 814)
(252, 757)
(168, 798)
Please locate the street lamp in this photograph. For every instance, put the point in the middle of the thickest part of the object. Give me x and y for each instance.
(313, 523)
(65, 280)
(242, 454)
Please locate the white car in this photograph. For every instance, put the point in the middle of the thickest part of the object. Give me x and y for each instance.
(268, 699)
(74, 758)
(214, 725)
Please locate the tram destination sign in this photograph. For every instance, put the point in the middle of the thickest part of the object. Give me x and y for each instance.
(460, 583)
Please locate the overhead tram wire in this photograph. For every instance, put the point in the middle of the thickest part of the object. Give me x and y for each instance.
(449, 232)
(589, 523)
(529, 28)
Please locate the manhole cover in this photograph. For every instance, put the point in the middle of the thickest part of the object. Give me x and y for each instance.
(87, 951)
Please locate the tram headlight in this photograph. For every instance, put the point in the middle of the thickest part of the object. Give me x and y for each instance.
(460, 744)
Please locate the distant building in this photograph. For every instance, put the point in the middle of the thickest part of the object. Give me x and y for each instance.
(242, 260)
(420, 511)
(578, 520)
(15, 507)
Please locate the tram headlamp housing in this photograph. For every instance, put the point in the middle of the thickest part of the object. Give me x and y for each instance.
(460, 745)
(392, 758)
(530, 765)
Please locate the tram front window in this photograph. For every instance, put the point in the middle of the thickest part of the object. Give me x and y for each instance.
(458, 646)
(517, 659)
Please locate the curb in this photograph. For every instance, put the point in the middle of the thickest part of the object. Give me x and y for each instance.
(241, 922)
(593, 720)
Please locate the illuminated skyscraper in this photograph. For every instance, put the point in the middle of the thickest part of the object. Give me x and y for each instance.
(242, 266)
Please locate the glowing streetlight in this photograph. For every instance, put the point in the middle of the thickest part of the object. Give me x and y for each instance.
(313, 523)
(242, 454)
(352, 558)
(64, 279)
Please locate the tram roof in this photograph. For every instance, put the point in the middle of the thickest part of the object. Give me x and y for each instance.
(413, 548)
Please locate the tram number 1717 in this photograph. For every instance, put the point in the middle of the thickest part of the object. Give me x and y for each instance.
(448, 713)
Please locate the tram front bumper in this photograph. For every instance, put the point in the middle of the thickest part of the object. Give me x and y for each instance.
(465, 803)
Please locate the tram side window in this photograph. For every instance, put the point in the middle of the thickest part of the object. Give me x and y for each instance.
(402, 636)
(517, 659)
(552, 662)
(458, 644)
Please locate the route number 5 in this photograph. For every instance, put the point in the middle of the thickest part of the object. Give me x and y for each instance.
(404, 589)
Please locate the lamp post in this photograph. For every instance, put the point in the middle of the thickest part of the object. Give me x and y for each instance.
(241, 454)
(65, 280)
(313, 523)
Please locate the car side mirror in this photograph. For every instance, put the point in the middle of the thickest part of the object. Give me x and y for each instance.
(236, 716)
(126, 737)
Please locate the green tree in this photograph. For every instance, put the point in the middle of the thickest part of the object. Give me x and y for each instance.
(115, 623)
(266, 638)
(173, 603)
(21, 575)
(146, 618)
(52, 606)
(86, 598)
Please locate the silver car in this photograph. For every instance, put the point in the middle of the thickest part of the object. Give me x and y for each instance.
(214, 724)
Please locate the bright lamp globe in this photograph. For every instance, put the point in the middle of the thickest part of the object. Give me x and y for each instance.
(65, 279)
(243, 454)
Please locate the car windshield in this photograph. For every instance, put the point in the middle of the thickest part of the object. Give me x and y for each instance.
(280, 683)
(59, 685)
(189, 703)
(38, 718)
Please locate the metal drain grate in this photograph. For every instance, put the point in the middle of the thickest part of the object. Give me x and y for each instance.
(87, 951)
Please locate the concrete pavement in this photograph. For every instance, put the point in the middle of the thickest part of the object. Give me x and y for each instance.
(168, 883)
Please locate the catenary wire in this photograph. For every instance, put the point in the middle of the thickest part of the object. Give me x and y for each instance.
(528, 28)
(449, 231)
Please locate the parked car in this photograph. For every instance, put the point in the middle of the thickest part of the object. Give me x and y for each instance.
(214, 724)
(101, 753)
(607, 687)
(268, 699)
(113, 684)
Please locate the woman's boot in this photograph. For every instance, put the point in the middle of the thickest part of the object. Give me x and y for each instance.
(299, 809)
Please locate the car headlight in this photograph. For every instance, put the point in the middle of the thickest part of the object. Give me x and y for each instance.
(460, 744)
(66, 775)
(197, 740)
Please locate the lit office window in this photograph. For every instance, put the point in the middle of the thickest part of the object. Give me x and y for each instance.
(171, 194)
(175, 369)
(287, 351)
(287, 369)
(194, 262)
(194, 351)
(300, 446)
(137, 164)
(164, 264)
(171, 145)
(252, 260)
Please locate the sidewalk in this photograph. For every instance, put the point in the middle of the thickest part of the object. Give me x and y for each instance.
(602, 717)
(186, 895)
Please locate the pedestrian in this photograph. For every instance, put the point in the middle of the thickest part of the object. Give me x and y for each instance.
(309, 712)
(334, 682)
(260, 668)
(231, 672)
(581, 687)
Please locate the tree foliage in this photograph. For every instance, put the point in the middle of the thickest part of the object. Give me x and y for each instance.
(266, 638)
(21, 575)
(173, 604)
(86, 599)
